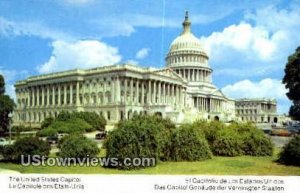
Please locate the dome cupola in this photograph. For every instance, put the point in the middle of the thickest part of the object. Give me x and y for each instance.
(186, 49)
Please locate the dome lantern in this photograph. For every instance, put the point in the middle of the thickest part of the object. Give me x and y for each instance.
(186, 24)
(186, 49)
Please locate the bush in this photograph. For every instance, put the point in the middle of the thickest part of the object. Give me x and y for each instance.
(235, 139)
(21, 128)
(139, 137)
(209, 129)
(27, 146)
(47, 122)
(255, 142)
(73, 125)
(189, 144)
(98, 122)
(64, 116)
(77, 146)
(227, 143)
(290, 154)
(47, 132)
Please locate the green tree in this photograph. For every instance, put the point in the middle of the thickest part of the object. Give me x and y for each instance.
(2, 85)
(291, 80)
(6, 106)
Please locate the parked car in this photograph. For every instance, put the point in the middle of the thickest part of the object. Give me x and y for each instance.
(294, 132)
(267, 131)
(281, 132)
(101, 135)
(62, 135)
(52, 139)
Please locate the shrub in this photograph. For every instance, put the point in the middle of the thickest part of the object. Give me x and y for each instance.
(189, 144)
(27, 146)
(77, 146)
(235, 139)
(47, 132)
(209, 129)
(97, 122)
(255, 142)
(47, 122)
(73, 125)
(21, 128)
(139, 137)
(290, 154)
(64, 116)
(227, 143)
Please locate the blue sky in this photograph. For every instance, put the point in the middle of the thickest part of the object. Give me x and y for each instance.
(248, 41)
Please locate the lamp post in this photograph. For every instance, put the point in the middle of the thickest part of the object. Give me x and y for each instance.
(9, 126)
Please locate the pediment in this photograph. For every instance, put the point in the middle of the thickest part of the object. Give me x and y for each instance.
(168, 72)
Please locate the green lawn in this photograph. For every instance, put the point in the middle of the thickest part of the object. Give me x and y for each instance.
(243, 165)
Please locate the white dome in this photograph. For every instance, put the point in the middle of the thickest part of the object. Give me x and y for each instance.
(186, 41)
(186, 49)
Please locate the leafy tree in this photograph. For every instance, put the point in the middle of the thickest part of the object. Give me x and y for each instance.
(290, 154)
(6, 106)
(292, 83)
(2, 85)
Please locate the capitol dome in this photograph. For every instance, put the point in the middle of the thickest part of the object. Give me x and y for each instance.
(186, 49)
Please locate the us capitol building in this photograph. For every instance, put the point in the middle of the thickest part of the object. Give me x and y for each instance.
(182, 91)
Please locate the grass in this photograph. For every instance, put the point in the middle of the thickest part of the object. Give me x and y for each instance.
(242, 165)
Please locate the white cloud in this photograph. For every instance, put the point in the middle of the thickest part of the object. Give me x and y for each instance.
(268, 88)
(246, 39)
(80, 54)
(12, 28)
(142, 53)
(261, 41)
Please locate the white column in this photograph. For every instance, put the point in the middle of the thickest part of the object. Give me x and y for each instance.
(33, 97)
(137, 91)
(38, 96)
(65, 94)
(154, 92)
(77, 94)
(59, 94)
(143, 92)
(112, 88)
(118, 90)
(71, 93)
(43, 96)
(48, 95)
(53, 95)
(125, 90)
(169, 93)
(149, 92)
(131, 91)
(159, 92)
(164, 92)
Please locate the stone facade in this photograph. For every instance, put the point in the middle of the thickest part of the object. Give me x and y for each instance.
(257, 110)
(182, 91)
